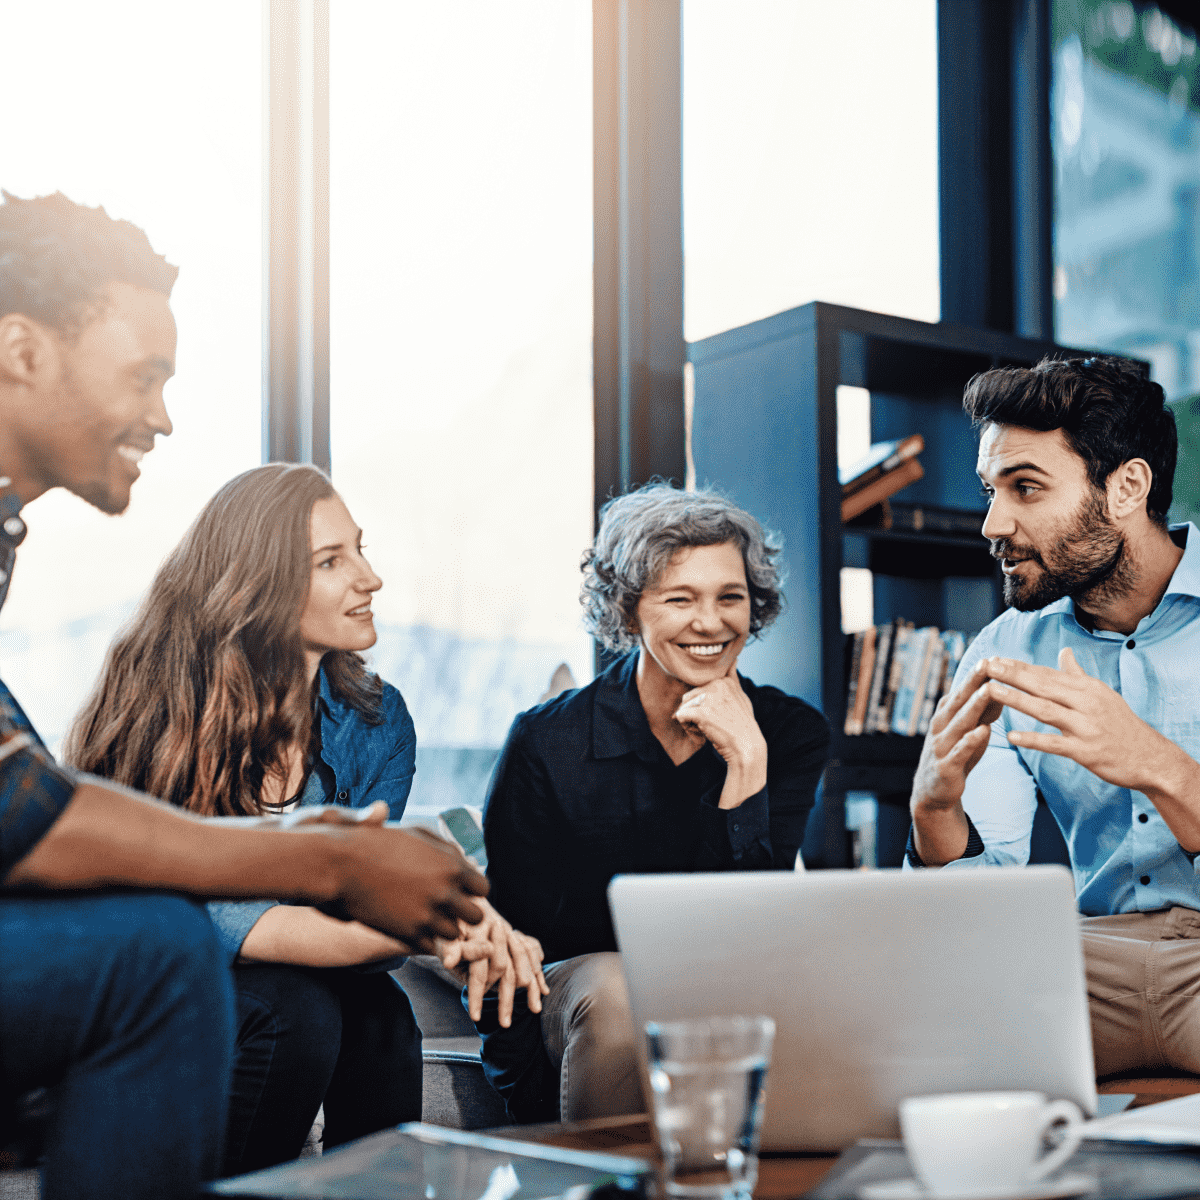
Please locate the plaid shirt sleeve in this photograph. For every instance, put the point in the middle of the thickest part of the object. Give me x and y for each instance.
(34, 789)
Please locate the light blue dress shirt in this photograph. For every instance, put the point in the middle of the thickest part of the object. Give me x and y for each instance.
(1124, 857)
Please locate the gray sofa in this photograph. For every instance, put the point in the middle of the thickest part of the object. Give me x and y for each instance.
(455, 1090)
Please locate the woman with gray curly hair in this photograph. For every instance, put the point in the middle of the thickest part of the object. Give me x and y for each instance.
(668, 761)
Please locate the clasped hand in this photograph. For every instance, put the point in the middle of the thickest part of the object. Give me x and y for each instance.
(486, 954)
(493, 953)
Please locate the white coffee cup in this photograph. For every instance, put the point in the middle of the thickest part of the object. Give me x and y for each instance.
(984, 1141)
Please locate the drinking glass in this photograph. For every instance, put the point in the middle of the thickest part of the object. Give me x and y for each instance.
(707, 1078)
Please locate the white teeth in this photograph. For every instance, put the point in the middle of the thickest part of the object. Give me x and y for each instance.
(131, 453)
(358, 612)
(704, 651)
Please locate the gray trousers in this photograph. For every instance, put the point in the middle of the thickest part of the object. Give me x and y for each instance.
(588, 1033)
(1143, 981)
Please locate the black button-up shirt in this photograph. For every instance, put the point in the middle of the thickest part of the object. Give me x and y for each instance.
(584, 791)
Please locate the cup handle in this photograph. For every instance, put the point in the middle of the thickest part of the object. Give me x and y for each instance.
(1072, 1136)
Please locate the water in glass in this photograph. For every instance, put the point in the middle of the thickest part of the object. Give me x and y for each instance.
(708, 1101)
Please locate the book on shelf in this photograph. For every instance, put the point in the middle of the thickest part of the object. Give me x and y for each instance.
(898, 674)
(879, 460)
(913, 675)
(953, 647)
(856, 649)
(880, 489)
(862, 671)
(903, 517)
(887, 701)
(883, 645)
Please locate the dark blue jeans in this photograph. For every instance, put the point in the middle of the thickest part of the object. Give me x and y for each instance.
(306, 1036)
(120, 1003)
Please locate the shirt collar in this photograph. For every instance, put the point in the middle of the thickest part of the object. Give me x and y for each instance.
(619, 724)
(12, 534)
(1184, 582)
(325, 696)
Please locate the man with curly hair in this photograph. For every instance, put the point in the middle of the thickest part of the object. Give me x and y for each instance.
(1085, 691)
(114, 993)
(668, 761)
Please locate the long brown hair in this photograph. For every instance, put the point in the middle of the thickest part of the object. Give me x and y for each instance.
(204, 691)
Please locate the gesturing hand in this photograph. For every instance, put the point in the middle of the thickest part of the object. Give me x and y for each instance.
(722, 713)
(493, 952)
(1097, 728)
(958, 736)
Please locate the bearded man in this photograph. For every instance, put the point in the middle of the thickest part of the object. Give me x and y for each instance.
(1086, 690)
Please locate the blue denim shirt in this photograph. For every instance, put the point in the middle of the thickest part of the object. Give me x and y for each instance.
(359, 764)
(1124, 857)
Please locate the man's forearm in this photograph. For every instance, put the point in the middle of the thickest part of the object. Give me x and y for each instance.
(110, 837)
(407, 883)
(940, 835)
(1174, 790)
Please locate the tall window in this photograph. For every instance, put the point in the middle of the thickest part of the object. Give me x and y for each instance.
(1126, 140)
(810, 158)
(461, 425)
(152, 110)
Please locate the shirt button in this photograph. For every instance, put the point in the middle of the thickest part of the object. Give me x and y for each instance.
(343, 795)
(14, 526)
(736, 828)
(1145, 879)
(1129, 645)
(1142, 817)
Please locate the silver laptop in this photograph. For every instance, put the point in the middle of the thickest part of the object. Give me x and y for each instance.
(882, 984)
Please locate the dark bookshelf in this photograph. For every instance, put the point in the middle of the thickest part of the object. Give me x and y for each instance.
(764, 430)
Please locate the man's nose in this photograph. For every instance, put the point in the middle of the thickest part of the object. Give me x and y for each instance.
(999, 522)
(157, 417)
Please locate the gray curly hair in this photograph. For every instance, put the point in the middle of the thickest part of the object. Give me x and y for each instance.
(642, 531)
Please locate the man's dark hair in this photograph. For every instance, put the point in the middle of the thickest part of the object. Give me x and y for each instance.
(57, 257)
(1108, 408)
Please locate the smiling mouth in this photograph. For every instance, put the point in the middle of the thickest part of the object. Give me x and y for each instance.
(362, 611)
(132, 454)
(704, 650)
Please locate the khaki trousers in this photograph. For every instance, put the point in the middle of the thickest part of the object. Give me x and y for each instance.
(588, 1033)
(1143, 981)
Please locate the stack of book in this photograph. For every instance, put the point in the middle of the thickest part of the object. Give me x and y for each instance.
(897, 676)
(888, 467)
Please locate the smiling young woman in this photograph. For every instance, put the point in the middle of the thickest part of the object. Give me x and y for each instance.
(238, 689)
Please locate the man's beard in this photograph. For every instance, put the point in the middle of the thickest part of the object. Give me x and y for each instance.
(94, 492)
(98, 496)
(1088, 562)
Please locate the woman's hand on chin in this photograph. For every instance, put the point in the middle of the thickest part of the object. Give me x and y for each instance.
(494, 954)
(722, 713)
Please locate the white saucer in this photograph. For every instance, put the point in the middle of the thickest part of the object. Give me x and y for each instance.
(911, 1189)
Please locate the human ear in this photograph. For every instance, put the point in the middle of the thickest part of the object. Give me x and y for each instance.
(24, 348)
(1129, 487)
